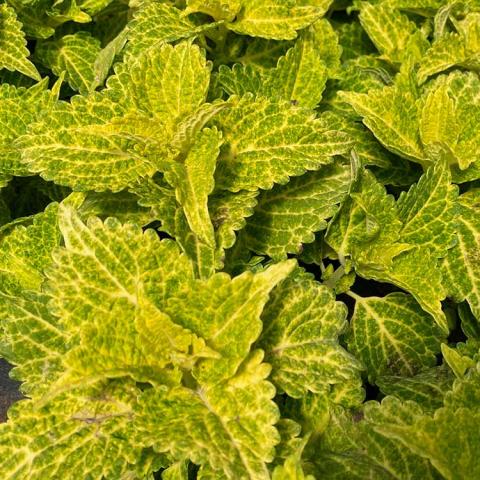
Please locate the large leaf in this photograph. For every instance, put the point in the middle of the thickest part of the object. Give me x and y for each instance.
(108, 140)
(274, 19)
(392, 335)
(300, 338)
(288, 215)
(73, 54)
(267, 142)
(461, 265)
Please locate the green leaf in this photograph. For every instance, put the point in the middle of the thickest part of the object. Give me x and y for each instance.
(368, 230)
(462, 273)
(127, 261)
(13, 51)
(448, 439)
(453, 49)
(73, 54)
(156, 23)
(300, 75)
(108, 140)
(233, 311)
(427, 388)
(229, 212)
(427, 210)
(438, 124)
(193, 182)
(123, 206)
(228, 428)
(393, 335)
(274, 19)
(288, 215)
(394, 35)
(26, 250)
(86, 432)
(218, 9)
(33, 340)
(300, 338)
(353, 448)
(19, 108)
(392, 114)
(267, 142)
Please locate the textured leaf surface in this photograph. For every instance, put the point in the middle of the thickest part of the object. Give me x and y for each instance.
(13, 50)
(228, 427)
(300, 75)
(393, 335)
(391, 31)
(124, 259)
(302, 324)
(73, 54)
(108, 140)
(267, 142)
(19, 108)
(274, 19)
(26, 250)
(461, 263)
(233, 311)
(33, 340)
(288, 215)
(83, 433)
(392, 115)
(448, 438)
(194, 182)
(156, 23)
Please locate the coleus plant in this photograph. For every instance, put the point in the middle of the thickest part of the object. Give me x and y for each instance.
(240, 239)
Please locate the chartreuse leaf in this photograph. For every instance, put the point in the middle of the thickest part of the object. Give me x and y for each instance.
(125, 261)
(218, 9)
(393, 335)
(427, 388)
(300, 338)
(19, 108)
(13, 51)
(86, 432)
(300, 75)
(123, 206)
(108, 140)
(229, 213)
(438, 123)
(232, 311)
(25, 251)
(267, 142)
(392, 114)
(73, 54)
(156, 23)
(353, 448)
(370, 230)
(453, 49)
(427, 210)
(464, 89)
(274, 19)
(449, 438)
(193, 182)
(72, 146)
(462, 273)
(167, 84)
(217, 420)
(33, 340)
(288, 215)
(394, 35)
(227, 428)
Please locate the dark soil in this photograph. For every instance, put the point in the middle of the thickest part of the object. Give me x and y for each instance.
(9, 392)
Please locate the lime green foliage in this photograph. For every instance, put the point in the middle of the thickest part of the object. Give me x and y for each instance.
(240, 239)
